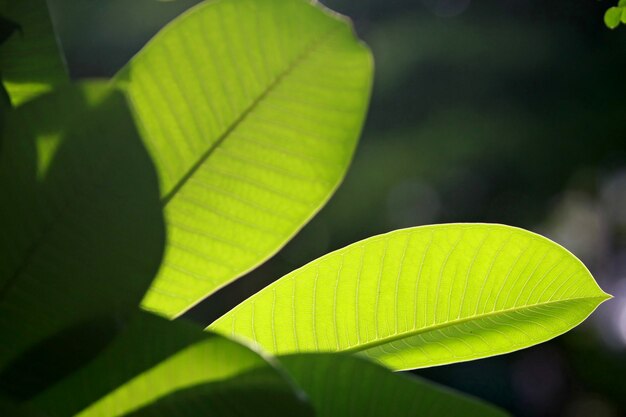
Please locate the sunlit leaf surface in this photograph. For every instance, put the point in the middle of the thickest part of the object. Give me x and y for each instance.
(423, 296)
(251, 111)
(160, 368)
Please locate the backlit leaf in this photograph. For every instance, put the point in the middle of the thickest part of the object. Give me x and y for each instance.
(251, 111)
(423, 296)
(158, 367)
(612, 17)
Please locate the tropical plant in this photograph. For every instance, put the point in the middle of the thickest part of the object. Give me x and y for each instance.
(198, 161)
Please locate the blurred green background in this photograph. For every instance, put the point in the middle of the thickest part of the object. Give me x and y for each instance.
(509, 111)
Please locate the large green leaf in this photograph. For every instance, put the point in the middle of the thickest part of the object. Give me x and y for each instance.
(342, 385)
(423, 296)
(30, 61)
(251, 110)
(82, 228)
(157, 367)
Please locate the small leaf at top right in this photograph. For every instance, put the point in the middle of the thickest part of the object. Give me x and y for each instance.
(612, 17)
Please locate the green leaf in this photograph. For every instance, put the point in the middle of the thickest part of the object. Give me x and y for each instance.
(82, 228)
(31, 62)
(423, 296)
(157, 367)
(623, 14)
(612, 17)
(251, 110)
(342, 385)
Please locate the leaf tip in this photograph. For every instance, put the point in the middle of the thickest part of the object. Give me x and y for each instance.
(606, 296)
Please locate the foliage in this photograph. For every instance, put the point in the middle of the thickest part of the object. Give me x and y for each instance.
(154, 364)
(424, 296)
(615, 15)
(247, 149)
(370, 390)
(79, 217)
(205, 154)
(30, 61)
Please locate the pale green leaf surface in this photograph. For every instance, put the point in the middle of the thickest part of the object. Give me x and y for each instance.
(31, 62)
(423, 296)
(82, 229)
(251, 111)
(342, 385)
(158, 367)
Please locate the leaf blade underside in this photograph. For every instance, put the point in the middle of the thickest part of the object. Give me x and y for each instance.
(422, 297)
(159, 367)
(251, 111)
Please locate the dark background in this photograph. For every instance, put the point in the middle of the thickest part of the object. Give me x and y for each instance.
(509, 111)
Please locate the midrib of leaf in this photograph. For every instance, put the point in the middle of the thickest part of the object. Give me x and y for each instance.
(300, 59)
(416, 332)
(30, 252)
(38, 242)
(310, 49)
(33, 248)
